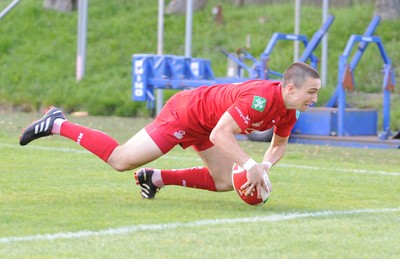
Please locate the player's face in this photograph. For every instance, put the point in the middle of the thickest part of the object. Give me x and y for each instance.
(306, 95)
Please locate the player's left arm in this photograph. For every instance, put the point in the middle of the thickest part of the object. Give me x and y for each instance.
(280, 139)
(276, 150)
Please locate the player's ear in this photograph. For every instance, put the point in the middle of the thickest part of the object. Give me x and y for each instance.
(290, 88)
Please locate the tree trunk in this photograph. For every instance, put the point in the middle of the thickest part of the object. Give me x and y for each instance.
(179, 6)
(387, 9)
(60, 5)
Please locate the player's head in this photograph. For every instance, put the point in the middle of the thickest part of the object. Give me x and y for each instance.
(301, 84)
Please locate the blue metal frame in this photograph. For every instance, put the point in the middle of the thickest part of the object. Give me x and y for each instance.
(357, 56)
(151, 72)
(260, 67)
(339, 96)
(265, 56)
(241, 65)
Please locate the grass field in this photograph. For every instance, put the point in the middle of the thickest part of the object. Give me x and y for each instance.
(38, 50)
(58, 201)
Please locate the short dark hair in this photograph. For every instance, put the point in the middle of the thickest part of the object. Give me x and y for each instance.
(297, 74)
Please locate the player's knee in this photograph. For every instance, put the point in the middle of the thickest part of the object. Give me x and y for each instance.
(118, 161)
(222, 178)
(119, 167)
(223, 185)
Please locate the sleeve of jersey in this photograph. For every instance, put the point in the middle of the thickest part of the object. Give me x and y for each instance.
(240, 115)
(285, 125)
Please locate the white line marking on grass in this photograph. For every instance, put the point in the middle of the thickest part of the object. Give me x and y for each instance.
(343, 170)
(57, 149)
(360, 171)
(198, 223)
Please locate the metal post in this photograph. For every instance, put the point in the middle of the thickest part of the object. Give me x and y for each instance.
(160, 31)
(160, 47)
(189, 18)
(324, 45)
(8, 8)
(82, 28)
(296, 29)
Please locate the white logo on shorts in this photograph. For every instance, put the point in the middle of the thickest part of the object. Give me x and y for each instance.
(179, 134)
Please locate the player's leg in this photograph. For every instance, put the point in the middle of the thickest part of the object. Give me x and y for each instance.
(140, 149)
(216, 176)
(137, 151)
(220, 168)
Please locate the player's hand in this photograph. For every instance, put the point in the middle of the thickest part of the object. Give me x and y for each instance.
(255, 178)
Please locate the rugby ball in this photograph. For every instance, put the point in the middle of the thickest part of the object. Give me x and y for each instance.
(239, 177)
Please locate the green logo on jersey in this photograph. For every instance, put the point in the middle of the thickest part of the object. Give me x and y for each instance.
(259, 103)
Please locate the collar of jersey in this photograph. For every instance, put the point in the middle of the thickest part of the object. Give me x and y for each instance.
(279, 100)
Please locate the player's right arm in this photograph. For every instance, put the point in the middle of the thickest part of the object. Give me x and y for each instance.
(223, 137)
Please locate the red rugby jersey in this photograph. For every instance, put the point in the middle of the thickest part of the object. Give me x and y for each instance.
(254, 105)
